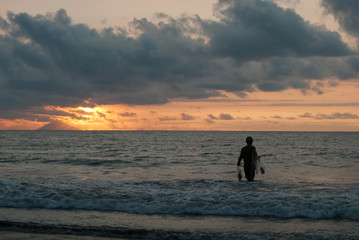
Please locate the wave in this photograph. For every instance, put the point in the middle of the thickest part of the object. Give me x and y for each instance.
(184, 197)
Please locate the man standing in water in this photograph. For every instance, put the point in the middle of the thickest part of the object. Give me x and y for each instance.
(249, 155)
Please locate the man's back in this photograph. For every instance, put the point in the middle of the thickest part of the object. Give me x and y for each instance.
(247, 153)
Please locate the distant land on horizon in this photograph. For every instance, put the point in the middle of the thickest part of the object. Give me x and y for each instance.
(57, 125)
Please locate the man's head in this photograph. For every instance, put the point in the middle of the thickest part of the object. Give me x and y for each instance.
(249, 140)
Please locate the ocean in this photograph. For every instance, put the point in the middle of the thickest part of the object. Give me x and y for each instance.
(177, 185)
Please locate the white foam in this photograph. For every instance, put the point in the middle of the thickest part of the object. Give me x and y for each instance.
(196, 197)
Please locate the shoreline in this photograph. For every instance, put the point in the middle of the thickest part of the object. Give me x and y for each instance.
(11, 235)
(107, 225)
(134, 234)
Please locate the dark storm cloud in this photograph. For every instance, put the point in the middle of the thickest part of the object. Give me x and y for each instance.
(256, 30)
(277, 74)
(48, 60)
(42, 115)
(346, 12)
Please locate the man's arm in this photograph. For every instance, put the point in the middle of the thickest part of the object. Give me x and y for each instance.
(240, 159)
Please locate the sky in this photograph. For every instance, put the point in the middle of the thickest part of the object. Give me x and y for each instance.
(226, 65)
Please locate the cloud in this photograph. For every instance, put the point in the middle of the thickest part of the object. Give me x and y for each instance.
(183, 116)
(306, 115)
(222, 116)
(345, 12)
(256, 30)
(101, 115)
(55, 112)
(82, 112)
(186, 117)
(47, 60)
(225, 116)
(336, 115)
(41, 114)
(62, 63)
(208, 120)
(212, 117)
(127, 114)
(167, 118)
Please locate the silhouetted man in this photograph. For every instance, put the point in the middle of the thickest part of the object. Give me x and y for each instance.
(249, 155)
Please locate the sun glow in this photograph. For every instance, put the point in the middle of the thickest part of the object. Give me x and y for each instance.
(90, 110)
(334, 110)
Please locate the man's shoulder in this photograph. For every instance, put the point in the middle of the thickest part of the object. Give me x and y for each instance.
(248, 147)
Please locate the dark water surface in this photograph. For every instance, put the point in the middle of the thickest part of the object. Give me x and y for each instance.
(154, 185)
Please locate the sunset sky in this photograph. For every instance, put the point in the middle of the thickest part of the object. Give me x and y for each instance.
(261, 65)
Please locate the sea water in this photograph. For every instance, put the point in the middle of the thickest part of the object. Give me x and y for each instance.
(178, 185)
